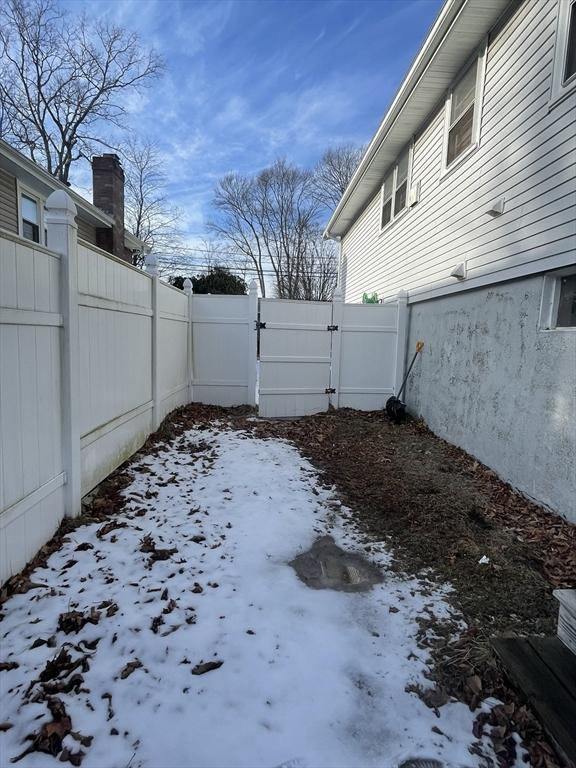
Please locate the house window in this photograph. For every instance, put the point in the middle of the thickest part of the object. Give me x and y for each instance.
(462, 105)
(570, 61)
(30, 214)
(463, 109)
(564, 75)
(387, 193)
(394, 194)
(559, 300)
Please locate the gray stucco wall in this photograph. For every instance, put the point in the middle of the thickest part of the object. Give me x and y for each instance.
(490, 382)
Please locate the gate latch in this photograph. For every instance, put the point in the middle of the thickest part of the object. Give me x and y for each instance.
(330, 391)
(332, 328)
(259, 325)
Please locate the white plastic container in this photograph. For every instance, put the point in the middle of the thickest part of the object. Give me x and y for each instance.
(567, 617)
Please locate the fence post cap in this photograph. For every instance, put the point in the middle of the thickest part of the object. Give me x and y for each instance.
(60, 204)
(253, 288)
(402, 295)
(337, 295)
(188, 285)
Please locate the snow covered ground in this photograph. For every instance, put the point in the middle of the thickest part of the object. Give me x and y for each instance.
(310, 678)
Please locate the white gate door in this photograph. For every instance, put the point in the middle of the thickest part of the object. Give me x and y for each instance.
(295, 354)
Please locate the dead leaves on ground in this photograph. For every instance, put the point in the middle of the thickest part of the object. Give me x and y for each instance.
(206, 666)
(62, 674)
(131, 667)
(74, 621)
(148, 545)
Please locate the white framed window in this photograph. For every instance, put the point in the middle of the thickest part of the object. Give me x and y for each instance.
(564, 73)
(394, 193)
(463, 111)
(30, 215)
(30, 218)
(558, 308)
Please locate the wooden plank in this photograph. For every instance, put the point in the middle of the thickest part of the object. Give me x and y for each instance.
(555, 707)
(560, 661)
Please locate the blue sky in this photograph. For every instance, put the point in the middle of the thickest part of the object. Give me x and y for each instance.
(249, 80)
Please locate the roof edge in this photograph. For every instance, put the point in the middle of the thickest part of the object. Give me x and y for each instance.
(81, 203)
(445, 19)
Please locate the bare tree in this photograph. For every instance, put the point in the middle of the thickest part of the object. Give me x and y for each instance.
(319, 273)
(148, 213)
(61, 77)
(272, 219)
(333, 173)
(238, 221)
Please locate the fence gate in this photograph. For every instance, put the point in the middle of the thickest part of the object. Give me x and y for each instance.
(295, 357)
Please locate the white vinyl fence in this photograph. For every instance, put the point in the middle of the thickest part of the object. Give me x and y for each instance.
(224, 348)
(94, 353)
(316, 354)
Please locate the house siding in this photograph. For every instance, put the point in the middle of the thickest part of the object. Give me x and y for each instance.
(490, 381)
(86, 232)
(526, 154)
(8, 202)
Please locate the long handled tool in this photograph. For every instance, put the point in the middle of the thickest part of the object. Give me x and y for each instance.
(395, 408)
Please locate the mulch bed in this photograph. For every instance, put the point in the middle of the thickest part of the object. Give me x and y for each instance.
(441, 512)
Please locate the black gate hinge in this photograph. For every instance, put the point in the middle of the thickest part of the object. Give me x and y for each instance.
(330, 391)
(259, 325)
(332, 328)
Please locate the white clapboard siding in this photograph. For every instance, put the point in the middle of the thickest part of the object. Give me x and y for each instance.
(527, 154)
(31, 464)
(173, 363)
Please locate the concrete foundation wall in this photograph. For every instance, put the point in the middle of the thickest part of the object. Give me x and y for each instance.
(494, 384)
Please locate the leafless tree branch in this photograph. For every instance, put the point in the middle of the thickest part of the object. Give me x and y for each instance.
(62, 78)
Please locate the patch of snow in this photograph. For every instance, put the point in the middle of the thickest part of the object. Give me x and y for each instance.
(309, 677)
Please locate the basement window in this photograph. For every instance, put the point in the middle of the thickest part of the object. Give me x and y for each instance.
(463, 107)
(566, 316)
(558, 310)
(394, 192)
(564, 75)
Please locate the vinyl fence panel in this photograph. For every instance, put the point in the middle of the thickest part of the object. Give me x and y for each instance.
(31, 463)
(93, 354)
(224, 354)
(115, 361)
(368, 355)
(173, 348)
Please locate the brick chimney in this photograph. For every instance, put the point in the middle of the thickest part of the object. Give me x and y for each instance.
(108, 195)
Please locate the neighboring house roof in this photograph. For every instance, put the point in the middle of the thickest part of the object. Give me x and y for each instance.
(457, 32)
(36, 177)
